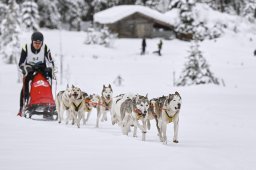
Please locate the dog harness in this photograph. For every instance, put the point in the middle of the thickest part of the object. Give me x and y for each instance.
(107, 105)
(138, 114)
(66, 106)
(77, 107)
(170, 119)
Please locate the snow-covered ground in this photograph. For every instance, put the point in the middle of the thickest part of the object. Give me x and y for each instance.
(217, 123)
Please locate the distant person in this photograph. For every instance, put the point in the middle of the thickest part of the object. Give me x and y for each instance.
(143, 48)
(254, 52)
(159, 46)
(118, 81)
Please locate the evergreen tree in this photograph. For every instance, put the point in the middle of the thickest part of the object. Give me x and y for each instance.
(30, 15)
(3, 11)
(127, 2)
(10, 30)
(185, 29)
(49, 14)
(163, 5)
(71, 13)
(250, 10)
(99, 5)
(175, 4)
(196, 69)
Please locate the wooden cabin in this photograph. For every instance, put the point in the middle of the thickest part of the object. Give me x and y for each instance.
(134, 21)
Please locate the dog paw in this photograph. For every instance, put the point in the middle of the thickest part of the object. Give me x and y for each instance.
(175, 141)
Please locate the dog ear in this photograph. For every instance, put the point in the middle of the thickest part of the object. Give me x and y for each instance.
(109, 85)
(178, 94)
(67, 86)
(73, 86)
(170, 97)
(104, 86)
(147, 95)
(137, 97)
(85, 94)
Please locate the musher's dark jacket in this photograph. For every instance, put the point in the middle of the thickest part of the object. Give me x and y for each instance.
(48, 62)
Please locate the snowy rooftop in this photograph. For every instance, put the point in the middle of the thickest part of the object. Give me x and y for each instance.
(203, 13)
(117, 13)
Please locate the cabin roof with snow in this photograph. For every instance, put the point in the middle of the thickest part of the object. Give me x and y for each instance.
(117, 13)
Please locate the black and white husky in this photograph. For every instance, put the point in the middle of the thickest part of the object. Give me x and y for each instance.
(170, 113)
(62, 101)
(77, 105)
(104, 104)
(127, 111)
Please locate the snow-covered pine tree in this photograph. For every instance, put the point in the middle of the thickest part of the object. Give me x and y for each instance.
(140, 2)
(3, 11)
(196, 69)
(163, 5)
(151, 3)
(159, 5)
(10, 30)
(249, 10)
(49, 14)
(185, 29)
(71, 12)
(112, 3)
(30, 15)
(200, 31)
(127, 2)
(99, 5)
(175, 4)
(101, 37)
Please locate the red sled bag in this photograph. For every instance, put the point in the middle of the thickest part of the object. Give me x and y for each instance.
(41, 99)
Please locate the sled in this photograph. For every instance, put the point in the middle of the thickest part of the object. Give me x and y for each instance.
(41, 99)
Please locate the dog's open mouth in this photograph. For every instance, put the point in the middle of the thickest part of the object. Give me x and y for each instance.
(177, 108)
(75, 95)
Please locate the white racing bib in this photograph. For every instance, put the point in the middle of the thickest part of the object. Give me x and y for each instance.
(35, 58)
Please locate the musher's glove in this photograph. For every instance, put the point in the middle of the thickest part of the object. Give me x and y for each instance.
(26, 69)
(22, 70)
(48, 69)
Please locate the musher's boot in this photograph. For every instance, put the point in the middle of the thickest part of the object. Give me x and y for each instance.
(20, 112)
